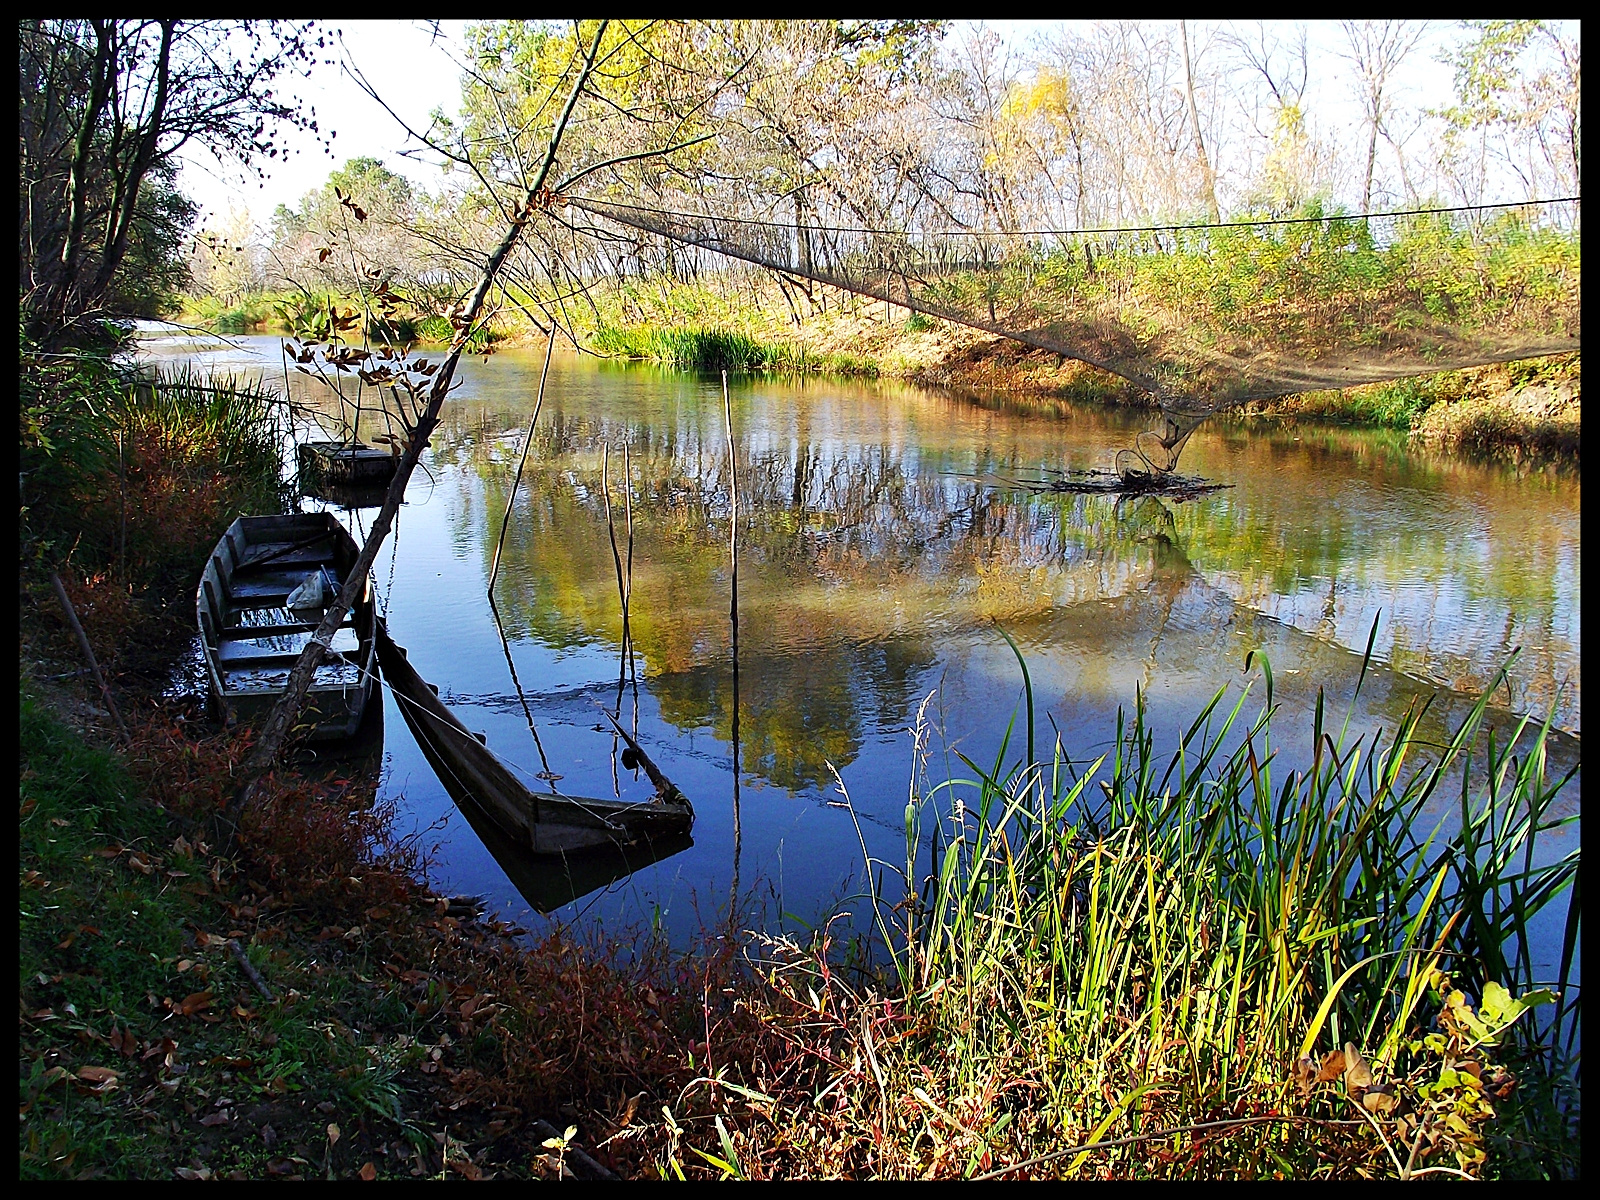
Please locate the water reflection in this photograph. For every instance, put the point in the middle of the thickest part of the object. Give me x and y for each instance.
(876, 556)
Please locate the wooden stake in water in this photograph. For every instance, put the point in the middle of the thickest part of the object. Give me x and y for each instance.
(733, 620)
(505, 522)
(616, 558)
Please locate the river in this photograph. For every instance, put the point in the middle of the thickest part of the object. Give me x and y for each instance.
(887, 534)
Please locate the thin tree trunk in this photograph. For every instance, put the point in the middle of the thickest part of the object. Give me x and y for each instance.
(76, 202)
(1372, 158)
(144, 155)
(1194, 122)
(288, 707)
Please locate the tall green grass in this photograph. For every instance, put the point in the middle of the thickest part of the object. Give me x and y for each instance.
(141, 473)
(696, 348)
(1168, 933)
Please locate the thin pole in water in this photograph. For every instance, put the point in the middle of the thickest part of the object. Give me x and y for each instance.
(733, 620)
(505, 522)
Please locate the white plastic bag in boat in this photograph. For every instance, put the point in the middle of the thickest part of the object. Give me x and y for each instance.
(310, 597)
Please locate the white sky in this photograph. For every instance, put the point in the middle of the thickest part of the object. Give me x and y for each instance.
(412, 75)
(416, 75)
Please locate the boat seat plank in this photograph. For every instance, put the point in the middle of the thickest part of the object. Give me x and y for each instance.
(252, 632)
(232, 653)
(337, 677)
(288, 563)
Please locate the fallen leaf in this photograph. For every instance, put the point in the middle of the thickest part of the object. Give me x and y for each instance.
(165, 1046)
(1304, 1076)
(1380, 1100)
(1333, 1066)
(191, 1173)
(97, 1075)
(333, 1135)
(369, 1172)
(193, 1003)
(216, 1118)
(465, 1168)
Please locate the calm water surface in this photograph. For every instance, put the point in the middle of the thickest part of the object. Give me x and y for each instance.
(884, 541)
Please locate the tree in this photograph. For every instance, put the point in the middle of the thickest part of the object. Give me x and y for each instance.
(1207, 176)
(381, 236)
(427, 385)
(1518, 84)
(154, 271)
(1296, 165)
(225, 260)
(1376, 50)
(105, 107)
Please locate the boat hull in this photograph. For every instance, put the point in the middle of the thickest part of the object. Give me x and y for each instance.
(541, 824)
(251, 642)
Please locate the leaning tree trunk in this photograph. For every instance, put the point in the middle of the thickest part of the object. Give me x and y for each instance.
(288, 707)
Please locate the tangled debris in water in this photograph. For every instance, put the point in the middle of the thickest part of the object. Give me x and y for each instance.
(1100, 481)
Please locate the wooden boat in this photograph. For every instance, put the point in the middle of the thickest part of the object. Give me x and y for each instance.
(546, 882)
(544, 824)
(251, 639)
(349, 464)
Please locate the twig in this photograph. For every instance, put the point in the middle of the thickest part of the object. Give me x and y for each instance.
(616, 555)
(595, 1169)
(548, 775)
(250, 973)
(505, 522)
(83, 644)
(627, 587)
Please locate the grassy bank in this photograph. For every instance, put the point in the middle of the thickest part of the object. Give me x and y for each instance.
(1531, 408)
(702, 349)
(1213, 964)
(758, 324)
(319, 315)
(1314, 992)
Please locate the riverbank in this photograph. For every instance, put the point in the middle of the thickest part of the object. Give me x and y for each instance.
(1529, 410)
(1062, 986)
(303, 1006)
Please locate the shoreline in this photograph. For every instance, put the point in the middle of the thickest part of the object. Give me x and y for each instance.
(1527, 411)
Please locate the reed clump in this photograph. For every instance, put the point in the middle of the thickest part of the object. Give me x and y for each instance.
(700, 348)
(1197, 965)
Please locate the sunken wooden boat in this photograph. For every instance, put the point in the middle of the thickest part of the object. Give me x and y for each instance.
(345, 464)
(541, 824)
(547, 883)
(251, 638)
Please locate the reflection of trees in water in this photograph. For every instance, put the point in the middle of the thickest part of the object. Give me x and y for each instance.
(850, 556)
(1465, 563)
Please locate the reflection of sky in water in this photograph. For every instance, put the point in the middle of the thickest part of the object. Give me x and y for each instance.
(872, 567)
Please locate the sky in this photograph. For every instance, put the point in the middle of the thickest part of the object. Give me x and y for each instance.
(415, 73)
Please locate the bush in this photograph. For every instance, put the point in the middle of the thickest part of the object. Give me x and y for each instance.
(141, 473)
